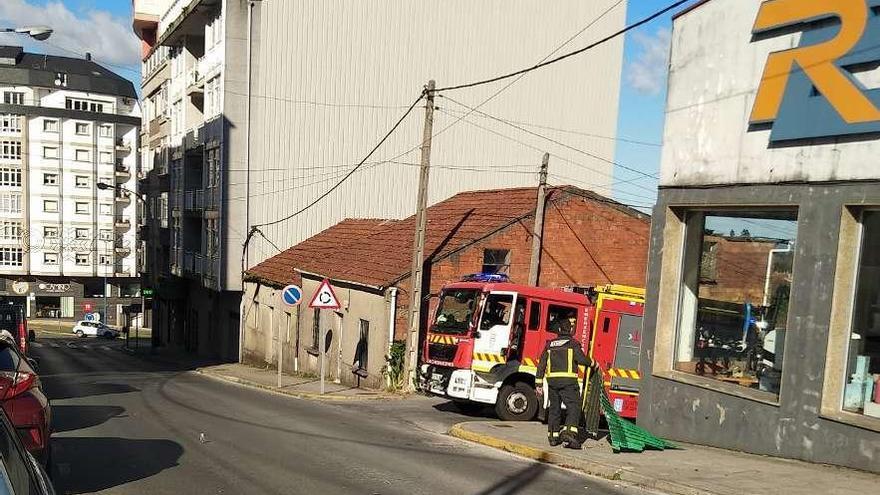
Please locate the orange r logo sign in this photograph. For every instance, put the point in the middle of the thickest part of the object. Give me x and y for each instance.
(820, 60)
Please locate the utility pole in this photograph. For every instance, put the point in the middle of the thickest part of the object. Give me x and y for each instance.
(538, 228)
(418, 258)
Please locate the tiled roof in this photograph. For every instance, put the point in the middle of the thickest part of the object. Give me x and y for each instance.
(378, 253)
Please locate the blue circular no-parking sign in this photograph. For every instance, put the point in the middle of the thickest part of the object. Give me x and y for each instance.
(292, 295)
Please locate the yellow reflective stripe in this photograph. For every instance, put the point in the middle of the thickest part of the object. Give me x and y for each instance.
(562, 374)
(624, 373)
(528, 369)
(570, 359)
(549, 363)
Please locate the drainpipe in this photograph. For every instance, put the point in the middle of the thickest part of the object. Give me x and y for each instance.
(786, 249)
(247, 154)
(392, 317)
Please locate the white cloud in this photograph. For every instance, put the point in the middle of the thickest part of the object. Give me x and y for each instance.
(109, 39)
(647, 73)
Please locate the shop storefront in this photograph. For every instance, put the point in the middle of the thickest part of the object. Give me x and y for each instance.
(69, 299)
(763, 313)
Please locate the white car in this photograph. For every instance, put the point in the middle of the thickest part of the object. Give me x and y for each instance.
(94, 329)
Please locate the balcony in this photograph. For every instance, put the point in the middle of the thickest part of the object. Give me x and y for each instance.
(122, 146)
(123, 172)
(193, 263)
(194, 200)
(122, 198)
(122, 223)
(195, 82)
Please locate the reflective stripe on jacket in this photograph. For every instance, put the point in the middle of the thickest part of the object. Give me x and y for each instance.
(560, 360)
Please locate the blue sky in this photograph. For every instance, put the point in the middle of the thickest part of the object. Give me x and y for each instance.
(107, 34)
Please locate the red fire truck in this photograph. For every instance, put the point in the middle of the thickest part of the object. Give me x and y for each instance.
(487, 335)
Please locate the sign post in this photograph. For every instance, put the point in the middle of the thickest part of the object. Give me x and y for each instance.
(324, 298)
(290, 296)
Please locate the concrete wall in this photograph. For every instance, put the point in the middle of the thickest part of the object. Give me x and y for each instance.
(804, 423)
(266, 317)
(333, 77)
(715, 70)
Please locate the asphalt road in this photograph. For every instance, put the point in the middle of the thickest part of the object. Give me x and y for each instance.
(133, 425)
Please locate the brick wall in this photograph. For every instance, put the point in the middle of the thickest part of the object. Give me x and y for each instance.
(740, 271)
(585, 243)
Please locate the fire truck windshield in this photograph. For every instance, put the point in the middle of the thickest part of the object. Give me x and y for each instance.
(456, 310)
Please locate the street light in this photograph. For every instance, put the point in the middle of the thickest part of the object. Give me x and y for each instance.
(39, 33)
(103, 186)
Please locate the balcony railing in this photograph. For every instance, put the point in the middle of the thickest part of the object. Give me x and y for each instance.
(194, 200)
(195, 81)
(123, 172)
(122, 146)
(123, 223)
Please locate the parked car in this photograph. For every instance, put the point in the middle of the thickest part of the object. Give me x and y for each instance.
(94, 329)
(20, 473)
(23, 400)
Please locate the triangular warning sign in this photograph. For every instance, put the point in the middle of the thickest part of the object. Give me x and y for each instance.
(325, 298)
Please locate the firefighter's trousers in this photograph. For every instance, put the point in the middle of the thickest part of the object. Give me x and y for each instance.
(565, 391)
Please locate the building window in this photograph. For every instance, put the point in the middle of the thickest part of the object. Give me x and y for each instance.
(81, 233)
(82, 155)
(535, 315)
(10, 150)
(737, 279)
(105, 209)
(163, 210)
(50, 258)
(496, 261)
(50, 125)
(61, 79)
(82, 207)
(82, 181)
(105, 130)
(862, 391)
(13, 98)
(83, 105)
(105, 259)
(10, 123)
(50, 179)
(105, 235)
(105, 157)
(10, 230)
(50, 152)
(82, 259)
(50, 232)
(10, 176)
(50, 206)
(82, 129)
(10, 202)
(10, 256)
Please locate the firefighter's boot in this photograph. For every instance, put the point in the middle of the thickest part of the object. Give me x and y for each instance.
(554, 439)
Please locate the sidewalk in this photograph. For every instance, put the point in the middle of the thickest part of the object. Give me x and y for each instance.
(693, 470)
(296, 386)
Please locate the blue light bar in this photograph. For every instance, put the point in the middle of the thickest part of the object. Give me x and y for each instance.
(486, 278)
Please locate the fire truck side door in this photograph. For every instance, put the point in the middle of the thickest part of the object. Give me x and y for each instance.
(495, 323)
(627, 350)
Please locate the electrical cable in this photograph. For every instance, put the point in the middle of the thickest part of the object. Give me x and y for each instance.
(352, 171)
(567, 55)
(554, 141)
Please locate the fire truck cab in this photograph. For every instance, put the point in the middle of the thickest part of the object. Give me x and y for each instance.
(486, 338)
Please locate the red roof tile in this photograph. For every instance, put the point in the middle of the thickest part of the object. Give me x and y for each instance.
(378, 252)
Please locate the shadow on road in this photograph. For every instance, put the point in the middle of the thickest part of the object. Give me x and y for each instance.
(57, 390)
(86, 465)
(70, 417)
(470, 409)
(517, 481)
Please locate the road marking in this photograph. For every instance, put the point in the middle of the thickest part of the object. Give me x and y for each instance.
(36, 344)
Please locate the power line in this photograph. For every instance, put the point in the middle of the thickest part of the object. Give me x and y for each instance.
(562, 158)
(554, 141)
(567, 55)
(349, 174)
(571, 131)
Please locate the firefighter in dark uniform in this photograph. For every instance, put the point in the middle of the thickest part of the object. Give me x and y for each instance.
(559, 365)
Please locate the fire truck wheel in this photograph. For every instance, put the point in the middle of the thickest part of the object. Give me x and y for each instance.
(516, 402)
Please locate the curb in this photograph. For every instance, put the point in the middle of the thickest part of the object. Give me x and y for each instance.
(290, 393)
(592, 468)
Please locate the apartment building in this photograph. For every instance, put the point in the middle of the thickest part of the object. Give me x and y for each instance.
(255, 108)
(67, 247)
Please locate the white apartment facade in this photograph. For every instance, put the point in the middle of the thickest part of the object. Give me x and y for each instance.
(254, 108)
(66, 246)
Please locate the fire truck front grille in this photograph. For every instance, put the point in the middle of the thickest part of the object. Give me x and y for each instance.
(442, 352)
